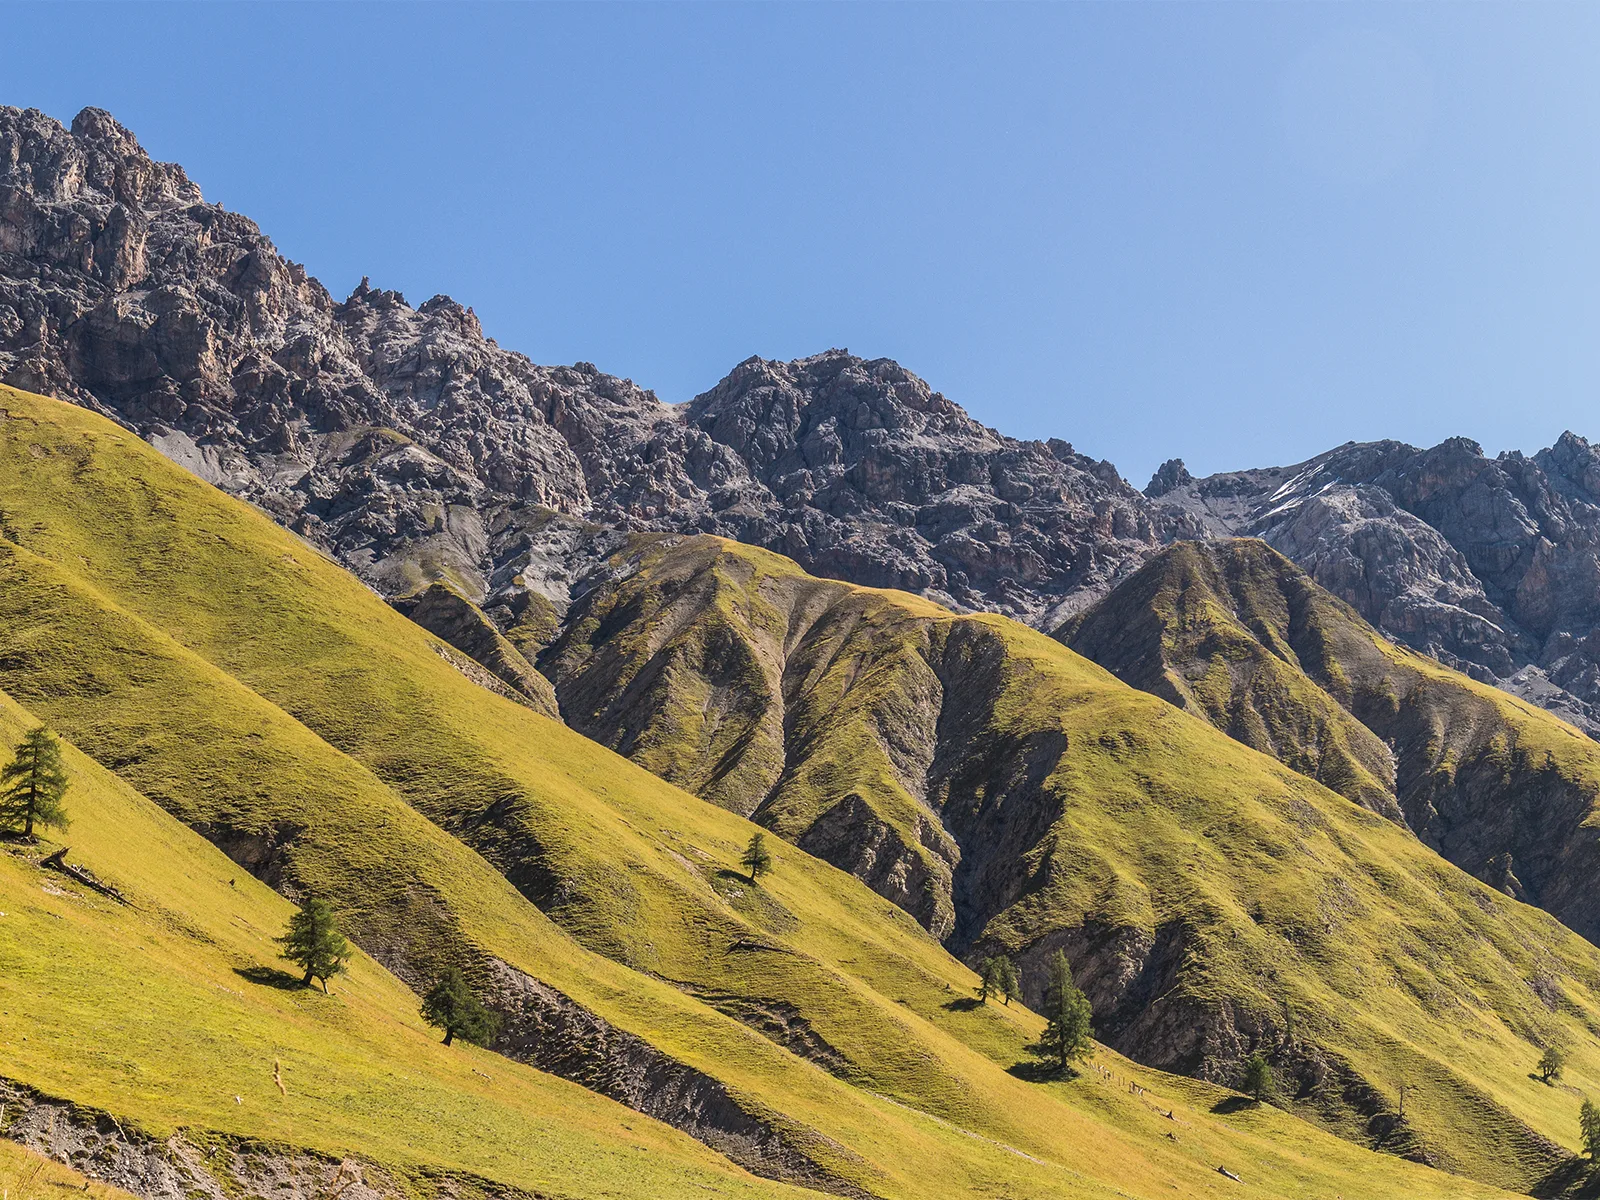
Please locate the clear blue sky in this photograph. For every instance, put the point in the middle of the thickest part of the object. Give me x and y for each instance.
(1239, 233)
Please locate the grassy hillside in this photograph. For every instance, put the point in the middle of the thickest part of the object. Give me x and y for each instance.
(168, 1014)
(248, 686)
(173, 1012)
(1235, 633)
(1212, 901)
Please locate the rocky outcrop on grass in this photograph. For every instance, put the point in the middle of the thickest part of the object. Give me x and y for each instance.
(206, 1165)
(552, 1032)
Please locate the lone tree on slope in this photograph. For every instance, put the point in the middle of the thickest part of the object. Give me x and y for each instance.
(1552, 1062)
(451, 1005)
(314, 942)
(1258, 1082)
(757, 858)
(1067, 1016)
(1589, 1124)
(33, 785)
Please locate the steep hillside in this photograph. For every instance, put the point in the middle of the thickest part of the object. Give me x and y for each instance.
(1235, 633)
(1015, 796)
(173, 1013)
(804, 1028)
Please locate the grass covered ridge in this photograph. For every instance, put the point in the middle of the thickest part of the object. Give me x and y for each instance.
(1212, 900)
(1234, 632)
(244, 683)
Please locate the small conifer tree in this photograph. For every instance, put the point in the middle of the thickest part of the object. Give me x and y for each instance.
(1067, 1016)
(34, 784)
(1258, 1082)
(757, 858)
(997, 976)
(1589, 1124)
(1552, 1062)
(314, 942)
(451, 1005)
(1010, 980)
(988, 977)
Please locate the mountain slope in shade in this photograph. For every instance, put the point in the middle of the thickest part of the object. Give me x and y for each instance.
(1237, 634)
(1210, 899)
(805, 1027)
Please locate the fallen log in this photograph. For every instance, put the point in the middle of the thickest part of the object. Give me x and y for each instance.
(58, 862)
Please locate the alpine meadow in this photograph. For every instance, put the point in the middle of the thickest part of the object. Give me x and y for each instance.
(426, 773)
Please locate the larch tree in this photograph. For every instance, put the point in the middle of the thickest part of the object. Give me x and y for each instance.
(997, 976)
(1257, 1082)
(1552, 1062)
(452, 1005)
(1589, 1125)
(1068, 1016)
(757, 859)
(314, 942)
(34, 784)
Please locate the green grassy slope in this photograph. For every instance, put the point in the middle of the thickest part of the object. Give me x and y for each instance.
(1238, 671)
(1211, 900)
(265, 697)
(166, 1010)
(1237, 634)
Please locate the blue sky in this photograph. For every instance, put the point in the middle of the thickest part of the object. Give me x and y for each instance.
(1238, 234)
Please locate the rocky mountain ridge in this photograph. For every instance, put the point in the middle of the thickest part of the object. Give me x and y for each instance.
(1490, 565)
(415, 449)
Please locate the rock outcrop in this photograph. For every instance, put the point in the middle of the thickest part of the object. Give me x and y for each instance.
(412, 446)
(203, 1164)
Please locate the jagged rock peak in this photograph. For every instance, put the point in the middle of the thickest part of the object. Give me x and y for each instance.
(1491, 565)
(414, 448)
(96, 159)
(1169, 475)
(409, 444)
